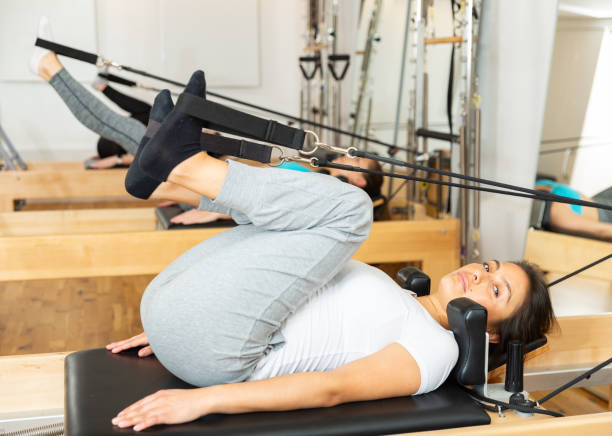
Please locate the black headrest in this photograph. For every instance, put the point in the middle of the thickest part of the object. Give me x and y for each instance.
(468, 321)
(414, 279)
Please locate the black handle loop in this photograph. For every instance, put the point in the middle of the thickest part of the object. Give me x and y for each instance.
(310, 59)
(331, 64)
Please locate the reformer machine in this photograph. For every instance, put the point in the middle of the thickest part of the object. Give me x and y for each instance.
(225, 119)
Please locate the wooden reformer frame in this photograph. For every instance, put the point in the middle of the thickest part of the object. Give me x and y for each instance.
(64, 237)
(33, 385)
(59, 180)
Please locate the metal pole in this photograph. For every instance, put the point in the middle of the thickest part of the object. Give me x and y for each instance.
(463, 193)
(14, 155)
(476, 213)
(400, 92)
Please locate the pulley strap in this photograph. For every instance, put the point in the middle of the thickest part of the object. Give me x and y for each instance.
(236, 147)
(230, 120)
(74, 53)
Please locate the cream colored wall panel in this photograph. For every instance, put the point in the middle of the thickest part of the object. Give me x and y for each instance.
(130, 33)
(220, 37)
(72, 23)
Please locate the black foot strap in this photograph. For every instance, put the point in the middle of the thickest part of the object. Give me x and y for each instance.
(233, 121)
(64, 50)
(236, 147)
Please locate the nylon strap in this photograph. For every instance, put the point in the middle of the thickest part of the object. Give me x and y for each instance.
(236, 147)
(74, 53)
(230, 120)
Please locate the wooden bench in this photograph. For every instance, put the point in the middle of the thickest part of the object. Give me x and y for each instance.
(59, 180)
(33, 385)
(432, 243)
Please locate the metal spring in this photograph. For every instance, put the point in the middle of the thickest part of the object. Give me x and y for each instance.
(56, 429)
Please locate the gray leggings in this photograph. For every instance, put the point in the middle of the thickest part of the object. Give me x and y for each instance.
(213, 313)
(95, 115)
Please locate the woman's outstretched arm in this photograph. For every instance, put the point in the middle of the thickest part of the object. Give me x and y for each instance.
(391, 372)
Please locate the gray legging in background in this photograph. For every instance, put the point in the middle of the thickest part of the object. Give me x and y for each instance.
(95, 115)
(216, 310)
(605, 197)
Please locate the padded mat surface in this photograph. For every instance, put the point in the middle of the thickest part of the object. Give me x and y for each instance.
(99, 384)
(165, 214)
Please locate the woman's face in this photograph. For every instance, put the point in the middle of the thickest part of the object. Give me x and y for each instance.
(501, 287)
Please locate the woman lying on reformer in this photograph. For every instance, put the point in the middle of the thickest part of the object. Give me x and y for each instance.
(273, 314)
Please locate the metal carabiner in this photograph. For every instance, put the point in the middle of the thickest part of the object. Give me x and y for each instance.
(312, 161)
(318, 144)
(102, 62)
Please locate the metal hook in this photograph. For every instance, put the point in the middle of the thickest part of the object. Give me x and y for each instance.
(312, 161)
(318, 144)
(102, 62)
(281, 159)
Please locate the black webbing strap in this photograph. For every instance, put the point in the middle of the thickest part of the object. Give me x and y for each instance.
(236, 147)
(117, 79)
(74, 53)
(230, 120)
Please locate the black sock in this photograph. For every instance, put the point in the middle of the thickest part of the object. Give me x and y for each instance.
(137, 183)
(177, 139)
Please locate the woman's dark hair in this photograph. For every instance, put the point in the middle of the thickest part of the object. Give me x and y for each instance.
(373, 181)
(534, 318)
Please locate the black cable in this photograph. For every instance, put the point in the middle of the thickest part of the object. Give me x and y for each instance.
(575, 380)
(397, 190)
(274, 112)
(580, 270)
(438, 182)
(536, 193)
(504, 406)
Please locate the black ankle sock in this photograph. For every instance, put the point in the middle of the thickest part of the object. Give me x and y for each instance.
(177, 139)
(137, 183)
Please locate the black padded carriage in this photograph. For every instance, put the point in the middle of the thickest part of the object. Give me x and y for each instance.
(99, 384)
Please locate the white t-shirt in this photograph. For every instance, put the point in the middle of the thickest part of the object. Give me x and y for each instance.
(359, 312)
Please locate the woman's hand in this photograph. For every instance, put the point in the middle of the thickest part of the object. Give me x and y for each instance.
(104, 163)
(172, 406)
(195, 216)
(135, 341)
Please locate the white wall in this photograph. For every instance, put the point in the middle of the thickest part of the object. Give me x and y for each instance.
(516, 50)
(578, 106)
(248, 48)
